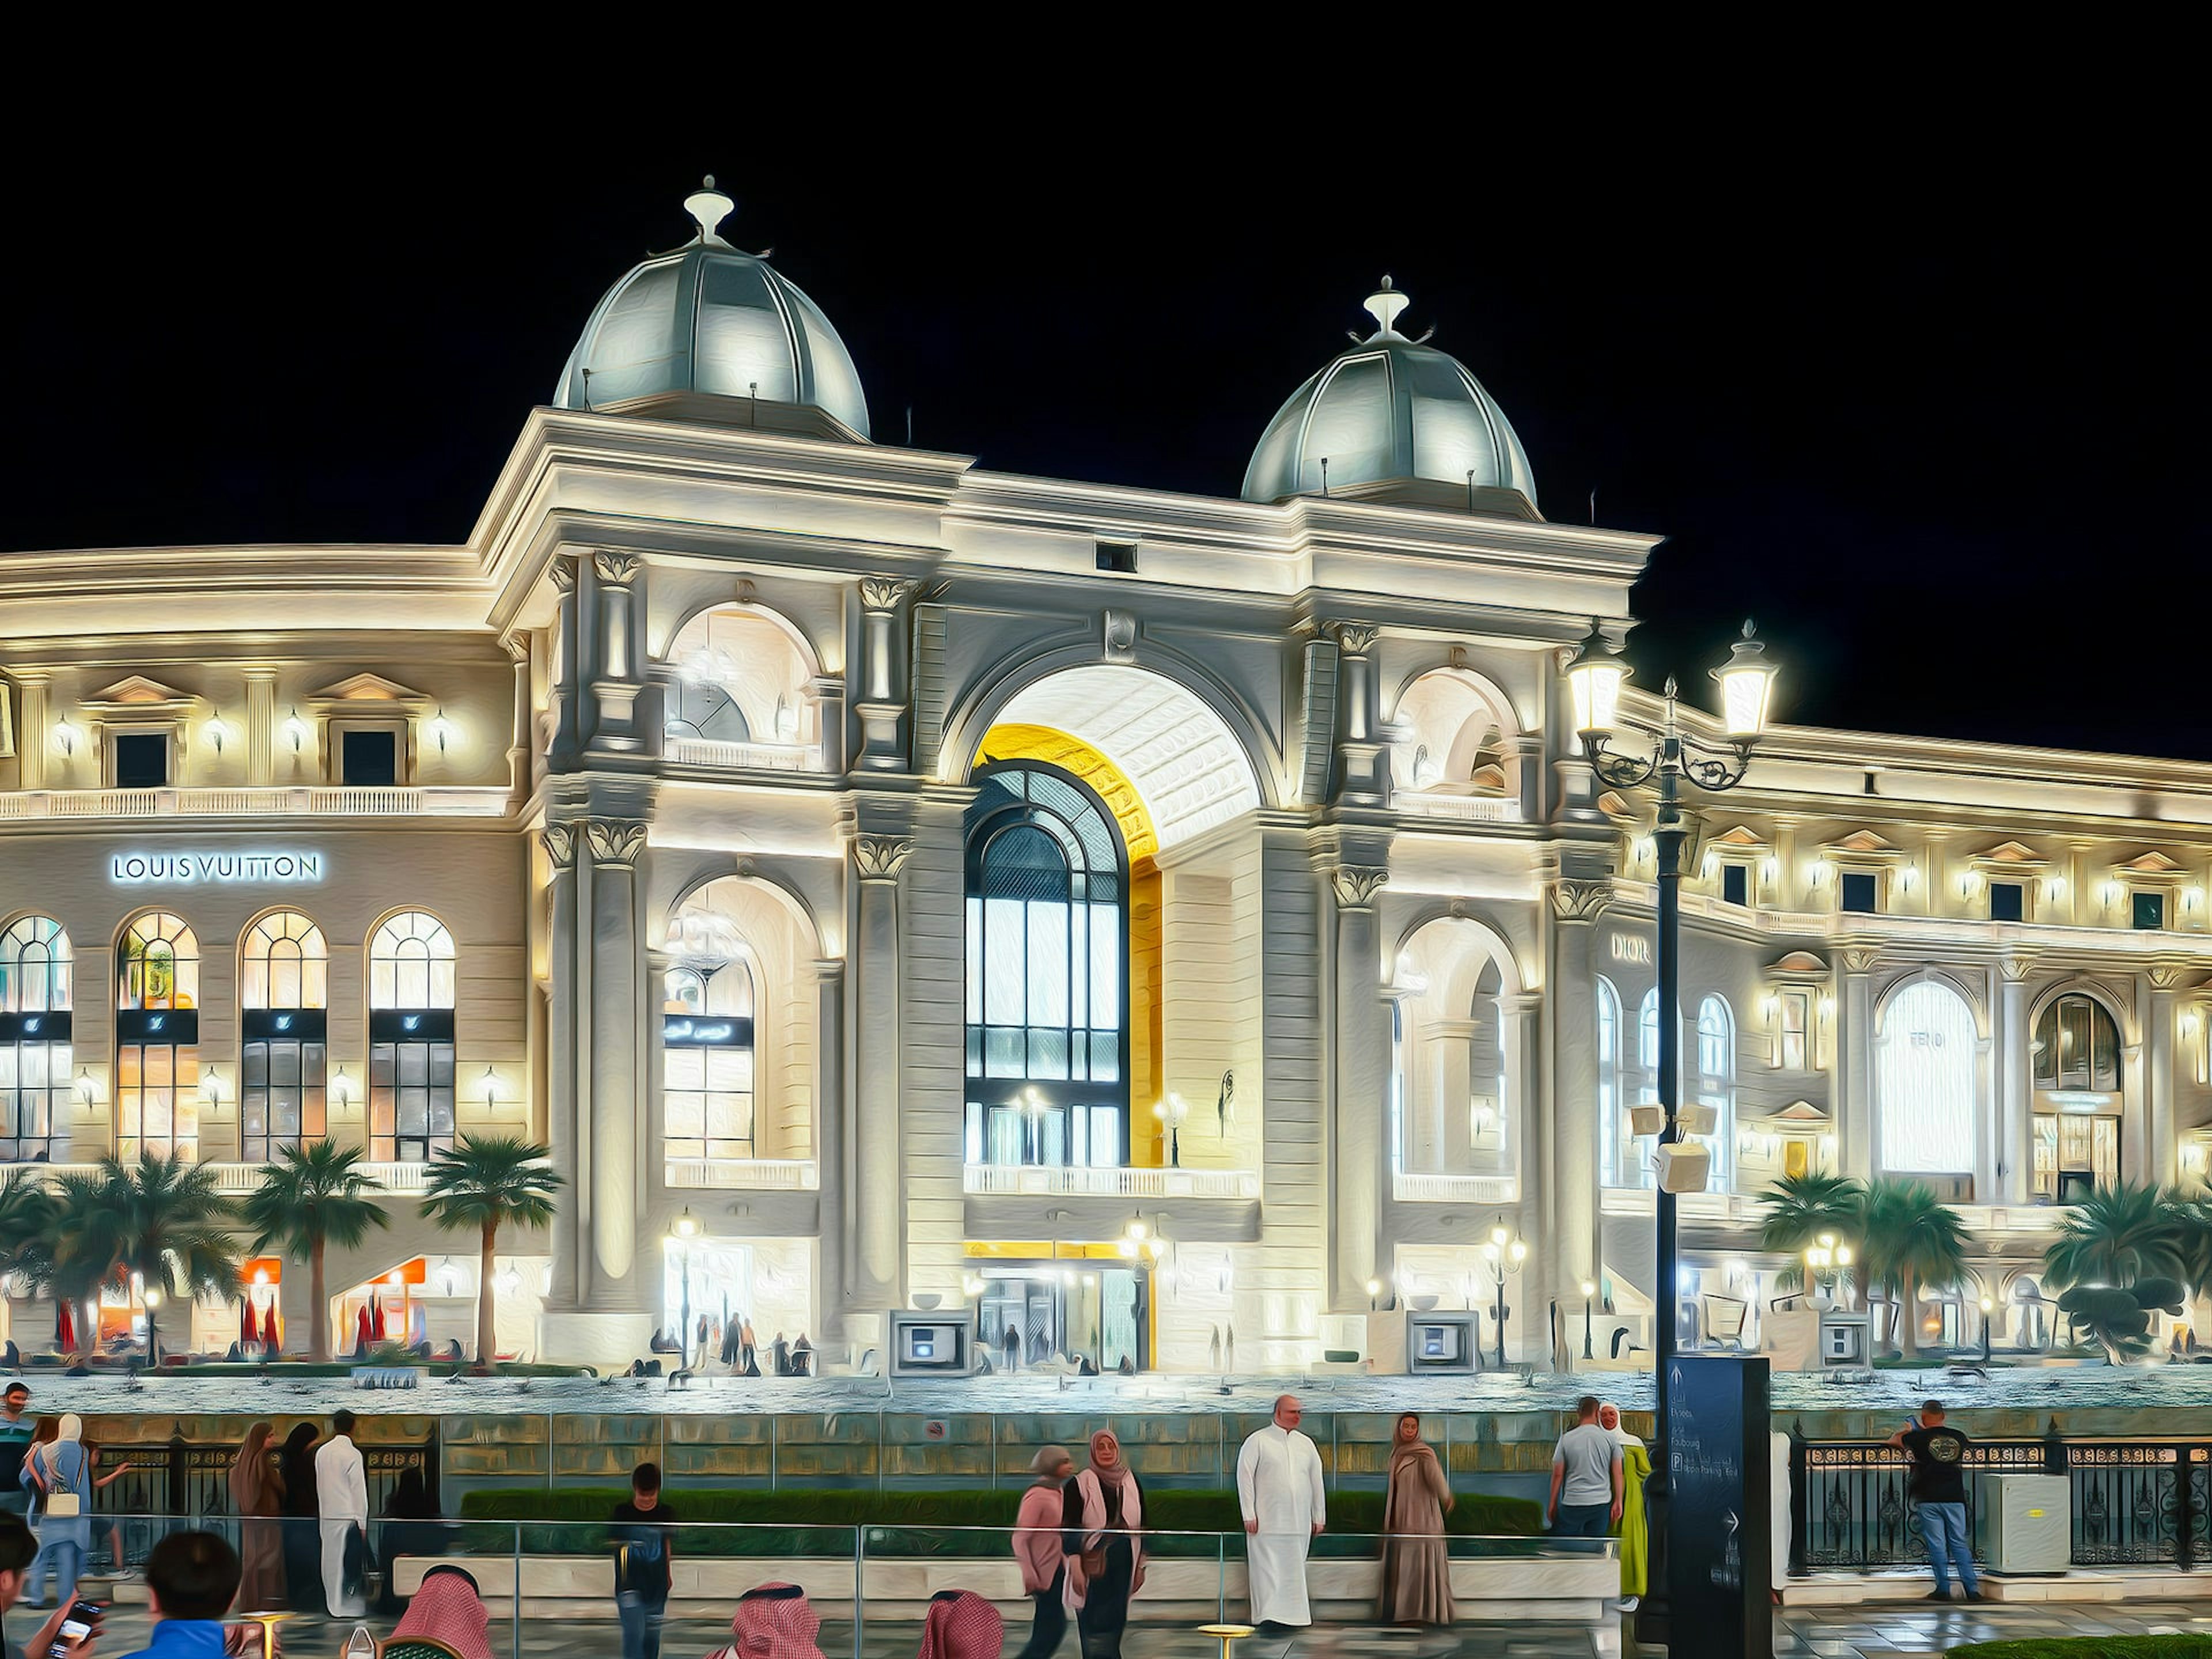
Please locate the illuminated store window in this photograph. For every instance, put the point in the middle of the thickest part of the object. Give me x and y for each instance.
(2079, 1094)
(34, 1040)
(1793, 1030)
(1047, 955)
(1716, 1084)
(157, 1033)
(1924, 1082)
(283, 998)
(410, 1039)
(1621, 1156)
(708, 1096)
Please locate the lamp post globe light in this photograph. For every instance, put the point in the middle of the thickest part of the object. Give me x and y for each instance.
(1595, 676)
(1506, 1253)
(681, 1232)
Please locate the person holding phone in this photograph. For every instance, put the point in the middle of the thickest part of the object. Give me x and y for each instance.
(17, 1550)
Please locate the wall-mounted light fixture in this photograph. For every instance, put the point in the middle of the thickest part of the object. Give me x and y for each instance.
(218, 731)
(67, 736)
(341, 1087)
(489, 1088)
(443, 730)
(87, 1091)
(294, 730)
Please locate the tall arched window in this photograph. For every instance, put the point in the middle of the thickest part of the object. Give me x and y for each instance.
(1924, 1077)
(283, 1002)
(34, 1039)
(1620, 1160)
(1647, 1037)
(410, 1039)
(1716, 1084)
(1047, 885)
(708, 1095)
(157, 1034)
(2079, 1090)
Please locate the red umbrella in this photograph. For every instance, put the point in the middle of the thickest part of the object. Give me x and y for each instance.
(376, 1318)
(64, 1327)
(248, 1332)
(363, 1342)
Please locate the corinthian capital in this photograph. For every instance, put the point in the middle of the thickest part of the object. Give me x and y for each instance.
(880, 858)
(614, 841)
(885, 593)
(1356, 884)
(1859, 958)
(560, 841)
(1580, 901)
(614, 570)
(1355, 639)
(563, 572)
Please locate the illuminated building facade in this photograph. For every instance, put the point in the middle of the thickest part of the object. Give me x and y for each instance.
(1154, 918)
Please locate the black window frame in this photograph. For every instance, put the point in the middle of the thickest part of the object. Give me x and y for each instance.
(2017, 901)
(138, 746)
(364, 735)
(1849, 882)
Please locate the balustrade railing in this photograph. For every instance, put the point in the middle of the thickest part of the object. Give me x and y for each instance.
(2132, 1503)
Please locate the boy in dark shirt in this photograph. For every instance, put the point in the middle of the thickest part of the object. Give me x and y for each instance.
(644, 1548)
(1939, 1486)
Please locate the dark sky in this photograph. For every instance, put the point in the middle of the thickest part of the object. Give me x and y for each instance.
(1928, 403)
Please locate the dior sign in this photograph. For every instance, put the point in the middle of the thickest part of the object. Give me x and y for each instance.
(211, 869)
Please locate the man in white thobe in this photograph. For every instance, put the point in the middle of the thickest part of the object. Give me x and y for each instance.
(1278, 1485)
(341, 1505)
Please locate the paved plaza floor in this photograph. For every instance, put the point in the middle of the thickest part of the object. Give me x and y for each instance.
(1863, 1633)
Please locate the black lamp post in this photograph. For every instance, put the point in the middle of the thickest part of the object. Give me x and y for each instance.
(1596, 675)
(1504, 1254)
(1590, 1295)
(681, 1232)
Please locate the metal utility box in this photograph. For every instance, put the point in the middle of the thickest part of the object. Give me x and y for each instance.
(2023, 1523)
(1845, 1338)
(1441, 1344)
(932, 1343)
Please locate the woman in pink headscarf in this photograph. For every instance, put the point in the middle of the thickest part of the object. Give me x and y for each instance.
(773, 1621)
(448, 1609)
(962, 1625)
(1104, 1519)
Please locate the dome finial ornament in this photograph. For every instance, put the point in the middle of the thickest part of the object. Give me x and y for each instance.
(1384, 305)
(709, 206)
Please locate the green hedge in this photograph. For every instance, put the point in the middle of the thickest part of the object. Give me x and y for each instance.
(820, 1522)
(2091, 1647)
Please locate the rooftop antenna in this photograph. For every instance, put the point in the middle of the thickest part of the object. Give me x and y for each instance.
(909, 426)
(1470, 489)
(1592, 507)
(752, 403)
(1324, 475)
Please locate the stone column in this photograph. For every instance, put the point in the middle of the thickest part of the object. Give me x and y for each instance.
(616, 679)
(1521, 1055)
(883, 701)
(1528, 778)
(2163, 1163)
(826, 697)
(518, 737)
(614, 846)
(1855, 1049)
(566, 1020)
(829, 1149)
(1571, 1132)
(2015, 1139)
(260, 727)
(1363, 759)
(34, 739)
(875, 1269)
(562, 751)
(1362, 1085)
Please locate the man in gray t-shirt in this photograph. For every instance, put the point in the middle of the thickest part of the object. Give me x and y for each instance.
(1585, 1477)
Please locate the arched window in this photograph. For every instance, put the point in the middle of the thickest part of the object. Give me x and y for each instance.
(34, 1039)
(1047, 886)
(410, 1039)
(738, 676)
(283, 998)
(1925, 1081)
(157, 1034)
(708, 1092)
(1647, 1037)
(1716, 1084)
(1622, 1163)
(2079, 1090)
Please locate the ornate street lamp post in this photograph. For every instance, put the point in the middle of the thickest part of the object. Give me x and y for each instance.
(1590, 1296)
(681, 1232)
(1504, 1253)
(1596, 675)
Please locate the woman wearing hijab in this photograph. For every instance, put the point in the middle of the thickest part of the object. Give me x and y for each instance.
(303, 1536)
(1037, 1548)
(410, 1527)
(447, 1608)
(1416, 1563)
(1102, 1571)
(1635, 1541)
(962, 1625)
(774, 1621)
(257, 1490)
(59, 1474)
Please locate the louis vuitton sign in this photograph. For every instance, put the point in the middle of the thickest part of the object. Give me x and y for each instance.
(212, 869)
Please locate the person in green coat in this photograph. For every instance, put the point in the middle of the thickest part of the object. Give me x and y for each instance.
(1635, 1542)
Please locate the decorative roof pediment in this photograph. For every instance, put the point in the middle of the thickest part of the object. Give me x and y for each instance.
(140, 692)
(1611, 804)
(1797, 962)
(1741, 838)
(1863, 841)
(2011, 854)
(1802, 1111)
(2153, 863)
(372, 690)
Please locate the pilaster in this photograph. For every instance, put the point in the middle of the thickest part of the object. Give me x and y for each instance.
(876, 1230)
(2015, 1132)
(617, 581)
(260, 726)
(830, 1139)
(566, 1025)
(1363, 769)
(2163, 1164)
(882, 707)
(1855, 1046)
(1362, 1083)
(1571, 1135)
(615, 848)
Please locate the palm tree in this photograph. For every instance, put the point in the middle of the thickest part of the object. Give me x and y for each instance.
(2192, 1220)
(27, 1224)
(316, 1197)
(484, 1182)
(159, 1221)
(1912, 1240)
(2118, 1236)
(1801, 1208)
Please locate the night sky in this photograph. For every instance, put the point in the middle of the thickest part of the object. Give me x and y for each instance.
(1919, 402)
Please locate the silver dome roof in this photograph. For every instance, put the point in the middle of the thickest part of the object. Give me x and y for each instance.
(709, 320)
(1391, 418)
